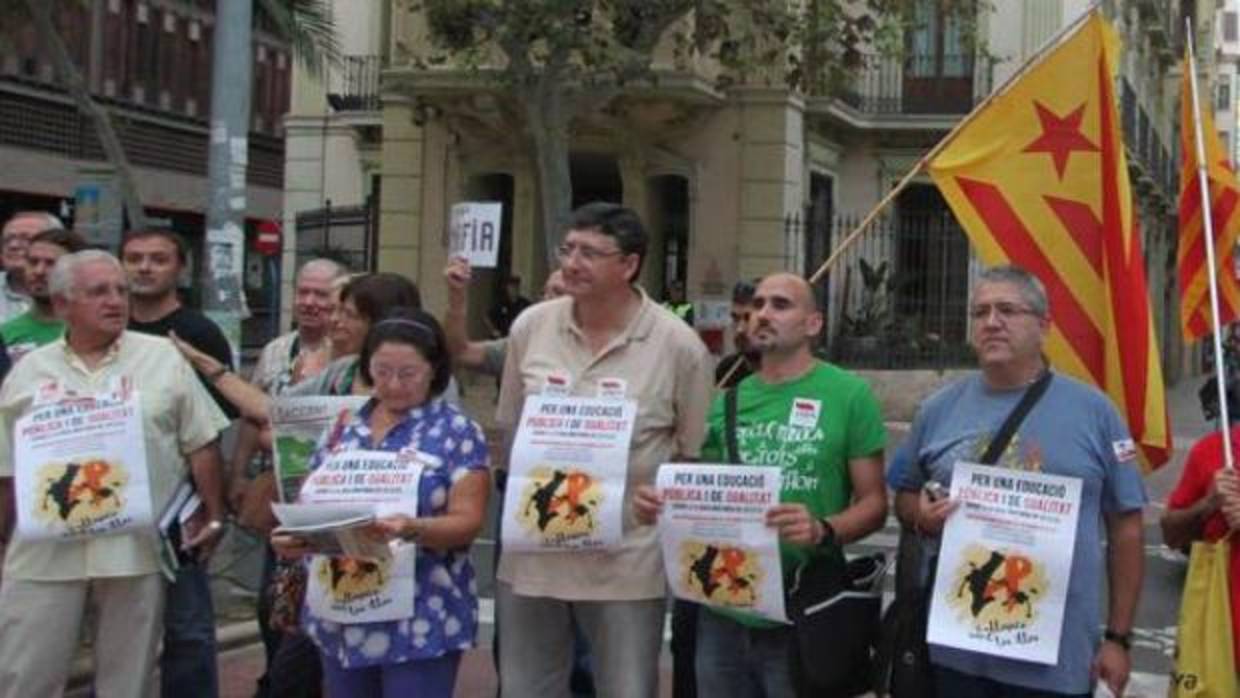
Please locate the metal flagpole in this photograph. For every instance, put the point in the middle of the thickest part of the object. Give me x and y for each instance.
(1207, 222)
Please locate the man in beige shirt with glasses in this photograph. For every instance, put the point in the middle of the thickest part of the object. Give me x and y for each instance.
(605, 331)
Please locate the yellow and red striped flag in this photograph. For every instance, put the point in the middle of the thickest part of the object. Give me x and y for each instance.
(1224, 195)
(1038, 178)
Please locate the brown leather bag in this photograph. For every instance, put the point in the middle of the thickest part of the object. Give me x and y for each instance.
(255, 513)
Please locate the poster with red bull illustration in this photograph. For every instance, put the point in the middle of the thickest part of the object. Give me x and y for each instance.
(375, 588)
(717, 548)
(567, 473)
(1006, 556)
(80, 468)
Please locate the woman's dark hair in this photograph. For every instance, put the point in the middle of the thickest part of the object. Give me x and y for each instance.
(375, 294)
(418, 329)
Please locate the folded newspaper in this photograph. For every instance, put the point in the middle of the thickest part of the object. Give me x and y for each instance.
(333, 529)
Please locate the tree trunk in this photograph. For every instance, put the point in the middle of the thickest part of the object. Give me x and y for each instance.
(548, 121)
(41, 12)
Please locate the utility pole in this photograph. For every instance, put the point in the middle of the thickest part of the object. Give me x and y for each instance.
(231, 76)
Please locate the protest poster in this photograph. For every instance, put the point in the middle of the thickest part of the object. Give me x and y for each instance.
(717, 548)
(364, 589)
(80, 469)
(474, 232)
(1004, 563)
(567, 474)
(297, 423)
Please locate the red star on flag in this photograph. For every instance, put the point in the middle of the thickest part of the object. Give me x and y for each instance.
(1060, 136)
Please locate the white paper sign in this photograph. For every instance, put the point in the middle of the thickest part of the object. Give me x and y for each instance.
(567, 474)
(352, 590)
(474, 232)
(717, 548)
(1004, 564)
(80, 467)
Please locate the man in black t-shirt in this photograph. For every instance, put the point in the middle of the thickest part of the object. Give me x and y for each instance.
(507, 307)
(153, 260)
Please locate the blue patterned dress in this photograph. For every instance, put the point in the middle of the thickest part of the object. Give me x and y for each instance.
(445, 603)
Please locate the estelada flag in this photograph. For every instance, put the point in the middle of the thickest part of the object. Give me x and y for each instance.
(1224, 195)
(1038, 179)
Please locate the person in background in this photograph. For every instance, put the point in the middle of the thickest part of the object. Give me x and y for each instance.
(153, 260)
(677, 303)
(485, 357)
(508, 305)
(15, 237)
(39, 325)
(735, 367)
(405, 360)
(284, 361)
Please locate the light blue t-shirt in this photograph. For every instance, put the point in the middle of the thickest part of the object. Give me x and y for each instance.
(1073, 431)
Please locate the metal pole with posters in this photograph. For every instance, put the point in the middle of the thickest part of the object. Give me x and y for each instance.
(228, 155)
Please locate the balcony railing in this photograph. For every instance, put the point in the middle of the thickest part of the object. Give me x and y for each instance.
(355, 85)
(916, 84)
(1146, 148)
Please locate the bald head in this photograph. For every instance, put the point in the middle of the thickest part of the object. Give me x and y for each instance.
(784, 320)
(795, 287)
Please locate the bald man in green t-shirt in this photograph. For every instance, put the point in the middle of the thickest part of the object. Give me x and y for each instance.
(822, 427)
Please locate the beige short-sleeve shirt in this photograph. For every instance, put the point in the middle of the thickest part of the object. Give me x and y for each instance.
(178, 417)
(667, 370)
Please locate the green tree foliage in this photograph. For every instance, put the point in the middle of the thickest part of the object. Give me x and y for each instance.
(566, 58)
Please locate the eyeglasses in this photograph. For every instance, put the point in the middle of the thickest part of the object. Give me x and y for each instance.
(382, 374)
(1006, 311)
(589, 254)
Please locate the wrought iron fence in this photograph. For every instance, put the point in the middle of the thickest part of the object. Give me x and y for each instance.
(347, 234)
(898, 298)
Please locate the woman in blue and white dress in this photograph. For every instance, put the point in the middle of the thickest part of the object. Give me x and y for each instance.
(405, 359)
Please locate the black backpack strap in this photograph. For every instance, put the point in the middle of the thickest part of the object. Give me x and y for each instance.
(1004, 436)
(733, 452)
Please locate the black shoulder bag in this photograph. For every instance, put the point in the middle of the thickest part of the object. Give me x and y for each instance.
(822, 597)
(903, 662)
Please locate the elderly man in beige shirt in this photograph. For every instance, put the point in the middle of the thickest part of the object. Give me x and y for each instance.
(605, 331)
(47, 584)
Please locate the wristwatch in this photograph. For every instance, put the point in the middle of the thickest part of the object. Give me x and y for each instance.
(1122, 639)
(828, 532)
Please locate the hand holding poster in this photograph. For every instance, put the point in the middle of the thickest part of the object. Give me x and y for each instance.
(717, 548)
(1004, 563)
(297, 423)
(363, 590)
(80, 469)
(567, 474)
(474, 232)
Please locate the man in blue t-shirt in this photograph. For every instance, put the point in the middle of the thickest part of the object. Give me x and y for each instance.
(1073, 431)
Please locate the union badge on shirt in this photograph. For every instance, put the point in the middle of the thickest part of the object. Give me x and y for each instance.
(804, 413)
(557, 384)
(612, 388)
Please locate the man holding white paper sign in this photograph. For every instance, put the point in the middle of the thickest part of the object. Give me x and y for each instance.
(79, 394)
(1073, 432)
(607, 344)
(821, 429)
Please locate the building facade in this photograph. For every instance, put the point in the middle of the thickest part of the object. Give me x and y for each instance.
(148, 63)
(737, 182)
